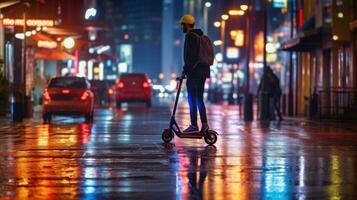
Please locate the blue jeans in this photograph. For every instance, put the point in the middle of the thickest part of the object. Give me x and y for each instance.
(195, 90)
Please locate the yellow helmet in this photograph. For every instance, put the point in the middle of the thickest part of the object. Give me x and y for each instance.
(187, 19)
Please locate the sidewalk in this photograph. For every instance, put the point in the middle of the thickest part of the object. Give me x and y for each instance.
(7, 121)
(292, 121)
(348, 125)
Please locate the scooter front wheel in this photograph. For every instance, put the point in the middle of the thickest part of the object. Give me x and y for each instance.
(211, 137)
(167, 135)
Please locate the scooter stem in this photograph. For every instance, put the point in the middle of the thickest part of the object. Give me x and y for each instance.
(177, 96)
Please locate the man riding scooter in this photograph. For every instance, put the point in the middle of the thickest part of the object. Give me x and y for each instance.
(198, 56)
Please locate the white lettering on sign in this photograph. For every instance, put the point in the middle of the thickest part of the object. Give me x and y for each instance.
(29, 22)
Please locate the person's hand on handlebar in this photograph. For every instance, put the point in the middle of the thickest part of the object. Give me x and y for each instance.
(183, 76)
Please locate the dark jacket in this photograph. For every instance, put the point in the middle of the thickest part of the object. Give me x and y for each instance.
(270, 84)
(276, 90)
(190, 55)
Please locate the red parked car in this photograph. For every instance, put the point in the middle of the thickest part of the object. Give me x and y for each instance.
(133, 87)
(68, 96)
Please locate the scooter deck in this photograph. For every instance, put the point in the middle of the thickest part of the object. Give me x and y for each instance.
(174, 128)
(193, 135)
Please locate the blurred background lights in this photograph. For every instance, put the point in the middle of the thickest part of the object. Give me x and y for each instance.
(69, 43)
(90, 12)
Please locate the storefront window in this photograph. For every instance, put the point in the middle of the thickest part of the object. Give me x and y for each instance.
(349, 68)
(345, 68)
(9, 61)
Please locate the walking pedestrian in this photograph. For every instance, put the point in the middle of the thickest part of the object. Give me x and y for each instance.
(275, 92)
(270, 93)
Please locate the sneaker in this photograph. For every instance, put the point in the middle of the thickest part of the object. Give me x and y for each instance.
(191, 128)
(204, 128)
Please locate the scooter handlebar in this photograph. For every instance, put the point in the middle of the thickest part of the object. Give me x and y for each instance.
(181, 77)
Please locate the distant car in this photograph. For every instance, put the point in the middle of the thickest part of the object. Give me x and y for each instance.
(133, 87)
(68, 96)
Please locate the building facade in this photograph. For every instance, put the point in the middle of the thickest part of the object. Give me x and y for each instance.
(172, 39)
(27, 62)
(142, 24)
(322, 70)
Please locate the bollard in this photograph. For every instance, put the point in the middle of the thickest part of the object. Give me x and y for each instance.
(16, 107)
(3, 104)
(313, 106)
(28, 108)
(264, 105)
(248, 107)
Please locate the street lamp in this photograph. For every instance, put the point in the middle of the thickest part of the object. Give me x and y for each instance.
(248, 102)
(217, 43)
(217, 24)
(205, 16)
(225, 17)
(25, 102)
(244, 7)
(69, 43)
(222, 25)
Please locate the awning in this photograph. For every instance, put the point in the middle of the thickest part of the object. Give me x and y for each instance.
(52, 54)
(307, 41)
(8, 3)
(42, 37)
(57, 31)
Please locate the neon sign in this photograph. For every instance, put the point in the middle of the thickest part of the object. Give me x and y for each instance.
(29, 22)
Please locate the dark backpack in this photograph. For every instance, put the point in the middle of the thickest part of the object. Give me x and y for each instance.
(205, 54)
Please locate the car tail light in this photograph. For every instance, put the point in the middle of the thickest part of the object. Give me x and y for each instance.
(146, 85)
(46, 96)
(85, 95)
(120, 85)
(66, 91)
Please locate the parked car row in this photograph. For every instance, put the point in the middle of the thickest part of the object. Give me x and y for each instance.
(70, 96)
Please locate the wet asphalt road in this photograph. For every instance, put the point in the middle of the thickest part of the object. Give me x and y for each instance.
(121, 156)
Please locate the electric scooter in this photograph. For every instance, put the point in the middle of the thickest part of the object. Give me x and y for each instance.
(210, 136)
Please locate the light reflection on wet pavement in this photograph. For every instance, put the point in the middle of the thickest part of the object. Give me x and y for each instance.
(121, 156)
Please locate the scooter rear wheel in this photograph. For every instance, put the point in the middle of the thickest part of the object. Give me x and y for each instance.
(210, 137)
(167, 135)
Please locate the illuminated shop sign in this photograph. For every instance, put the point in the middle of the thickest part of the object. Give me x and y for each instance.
(280, 3)
(47, 44)
(238, 37)
(232, 52)
(29, 22)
